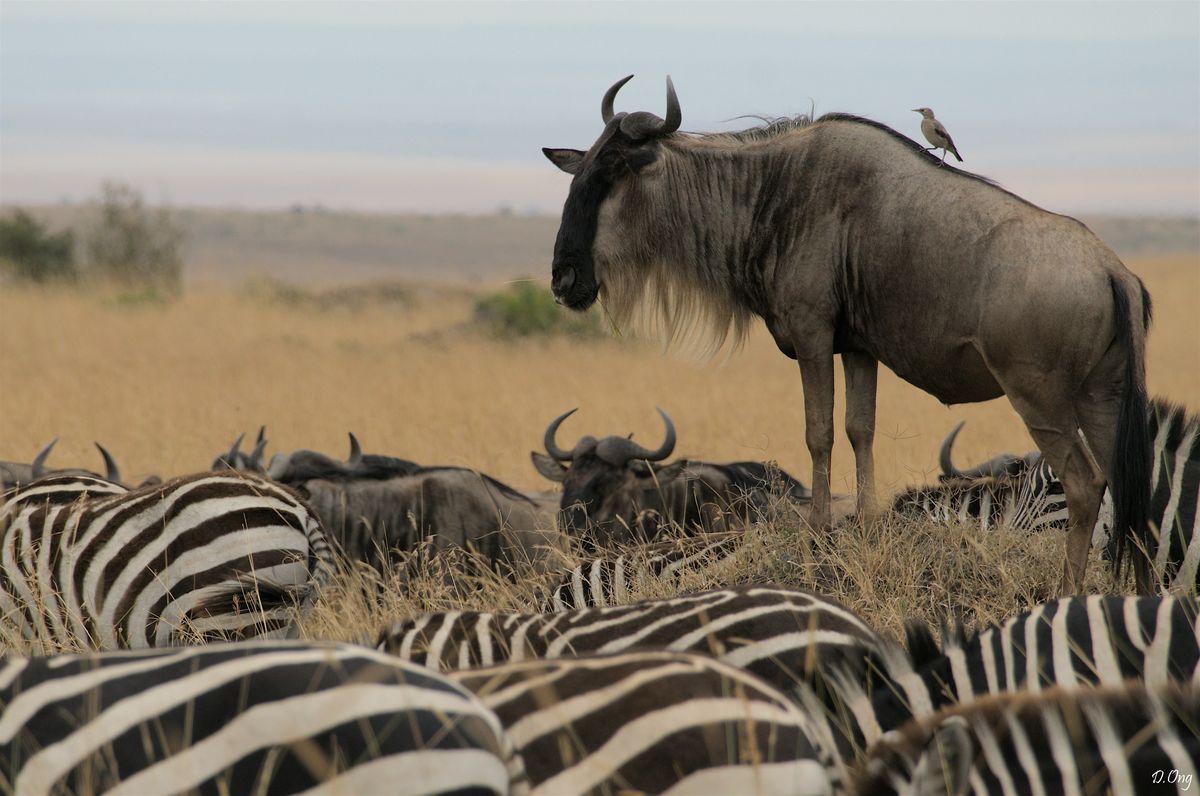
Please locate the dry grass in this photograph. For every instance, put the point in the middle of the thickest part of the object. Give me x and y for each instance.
(166, 388)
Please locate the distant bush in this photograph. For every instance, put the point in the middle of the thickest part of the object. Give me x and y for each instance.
(526, 309)
(132, 245)
(32, 253)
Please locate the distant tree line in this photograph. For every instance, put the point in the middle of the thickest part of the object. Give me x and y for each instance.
(123, 242)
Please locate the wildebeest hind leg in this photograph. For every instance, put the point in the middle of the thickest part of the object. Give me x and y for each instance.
(1056, 433)
(861, 373)
(817, 375)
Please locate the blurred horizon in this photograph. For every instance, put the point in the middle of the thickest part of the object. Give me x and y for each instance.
(1082, 108)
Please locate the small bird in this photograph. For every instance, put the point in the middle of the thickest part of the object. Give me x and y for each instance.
(936, 134)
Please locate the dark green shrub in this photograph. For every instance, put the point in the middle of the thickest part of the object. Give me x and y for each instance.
(32, 253)
(528, 309)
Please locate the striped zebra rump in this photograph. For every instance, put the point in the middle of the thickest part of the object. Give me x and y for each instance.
(785, 636)
(1123, 739)
(652, 722)
(611, 579)
(1175, 496)
(261, 717)
(205, 556)
(1072, 643)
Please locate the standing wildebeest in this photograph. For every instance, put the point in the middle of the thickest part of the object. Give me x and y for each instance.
(848, 238)
(616, 490)
(375, 505)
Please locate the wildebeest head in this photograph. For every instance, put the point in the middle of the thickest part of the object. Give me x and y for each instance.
(305, 465)
(14, 473)
(627, 150)
(610, 485)
(1006, 464)
(234, 459)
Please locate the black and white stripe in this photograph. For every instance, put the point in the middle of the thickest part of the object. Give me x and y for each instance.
(652, 722)
(264, 717)
(1070, 643)
(1028, 496)
(783, 635)
(1125, 739)
(87, 562)
(1031, 501)
(613, 578)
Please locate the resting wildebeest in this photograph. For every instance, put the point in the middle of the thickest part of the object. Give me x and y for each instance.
(848, 238)
(615, 491)
(375, 505)
(16, 473)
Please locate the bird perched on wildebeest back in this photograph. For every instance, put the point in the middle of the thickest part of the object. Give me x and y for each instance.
(935, 133)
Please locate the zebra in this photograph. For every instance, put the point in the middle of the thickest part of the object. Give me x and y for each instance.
(252, 717)
(611, 579)
(785, 636)
(1069, 643)
(1024, 493)
(87, 561)
(1127, 739)
(653, 722)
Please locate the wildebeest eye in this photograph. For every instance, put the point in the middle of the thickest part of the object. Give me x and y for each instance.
(640, 157)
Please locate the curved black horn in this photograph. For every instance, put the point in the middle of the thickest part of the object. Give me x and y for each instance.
(231, 458)
(606, 104)
(39, 462)
(355, 451)
(667, 446)
(948, 468)
(557, 453)
(674, 113)
(111, 471)
(254, 460)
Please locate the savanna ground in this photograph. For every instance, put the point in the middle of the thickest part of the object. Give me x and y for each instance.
(167, 385)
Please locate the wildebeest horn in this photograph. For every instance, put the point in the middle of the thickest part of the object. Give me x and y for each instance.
(667, 446)
(606, 105)
(642, 124)
(948, 468)
(557, 453)
(996, 467)
(355, 451)
(111, 471)
(39, 462)
(254, 460)
(231, 458)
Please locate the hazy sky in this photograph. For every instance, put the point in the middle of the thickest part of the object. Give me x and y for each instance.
(1081, 107)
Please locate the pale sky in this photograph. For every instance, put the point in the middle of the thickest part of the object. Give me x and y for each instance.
(1080, 107)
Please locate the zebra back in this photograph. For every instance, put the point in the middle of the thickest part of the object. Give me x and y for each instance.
(1069, 643)
(208, 555)
(652, 722)
(612, 578)
(1032, 500)
(785, 636)
(1124, 739)
(277, 717)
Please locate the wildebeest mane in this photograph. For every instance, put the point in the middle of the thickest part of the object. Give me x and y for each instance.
(499, 486)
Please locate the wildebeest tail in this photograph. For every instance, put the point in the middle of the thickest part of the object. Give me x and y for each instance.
(1130, 469)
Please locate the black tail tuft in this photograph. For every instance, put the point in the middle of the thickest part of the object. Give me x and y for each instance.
(1129, 476)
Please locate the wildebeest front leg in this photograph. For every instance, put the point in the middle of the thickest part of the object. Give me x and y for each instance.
(861, 372)
(817, 375)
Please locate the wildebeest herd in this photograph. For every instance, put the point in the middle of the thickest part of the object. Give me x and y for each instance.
(841, 234)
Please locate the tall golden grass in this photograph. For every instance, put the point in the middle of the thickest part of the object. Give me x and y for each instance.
(166, 387)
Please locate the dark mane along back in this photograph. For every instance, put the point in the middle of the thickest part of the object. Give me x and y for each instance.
(915, 147)
(499, 486)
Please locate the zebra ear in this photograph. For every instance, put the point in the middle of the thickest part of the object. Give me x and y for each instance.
(548, 467)
(945, 767)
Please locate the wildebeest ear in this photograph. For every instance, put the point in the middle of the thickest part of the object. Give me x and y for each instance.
(640, 157)
(566, 159)
(548, 467)
(670, 472)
